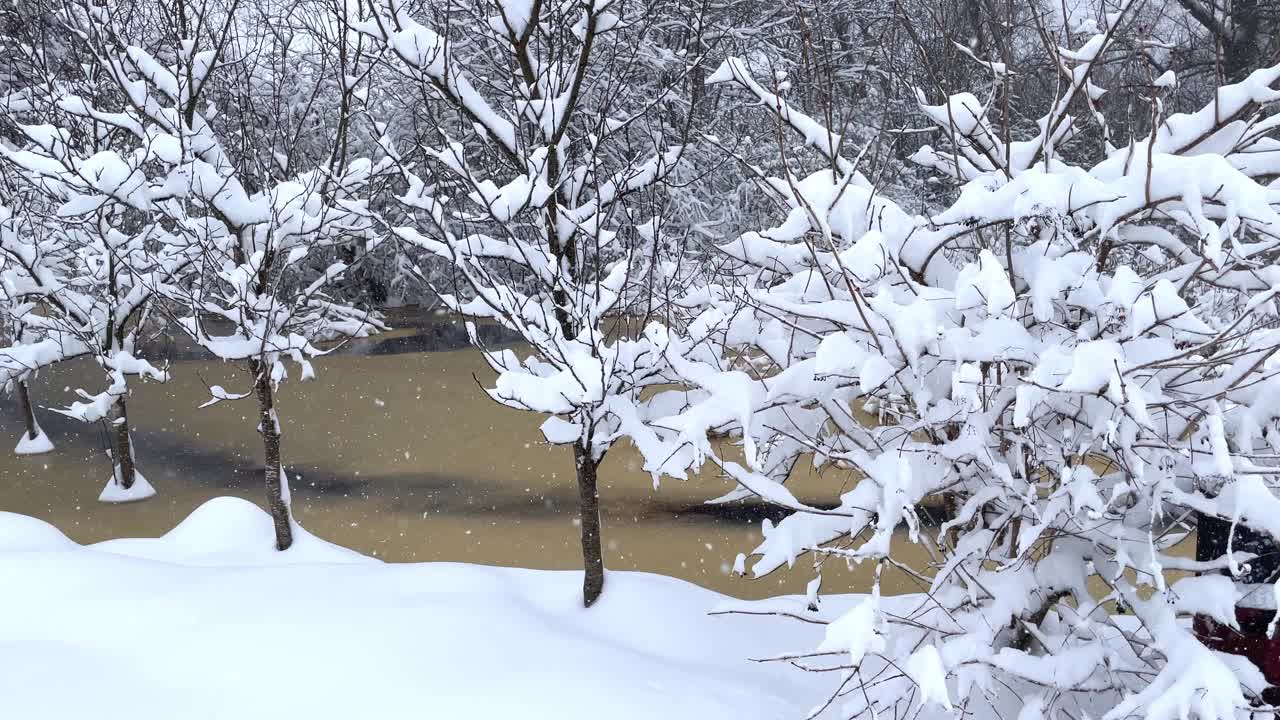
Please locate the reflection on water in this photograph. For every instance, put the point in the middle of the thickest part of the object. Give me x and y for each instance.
(394, 451)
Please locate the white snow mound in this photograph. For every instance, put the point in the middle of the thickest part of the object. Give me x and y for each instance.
(231, 531)
(114, 492)
(19, 533)
(37, 445)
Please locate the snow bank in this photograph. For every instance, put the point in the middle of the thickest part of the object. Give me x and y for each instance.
(210, 622)
(19, 533)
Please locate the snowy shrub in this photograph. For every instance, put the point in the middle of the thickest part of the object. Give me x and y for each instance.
(1076, 358)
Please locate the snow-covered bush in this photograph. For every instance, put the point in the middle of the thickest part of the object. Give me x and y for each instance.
(1075, 358)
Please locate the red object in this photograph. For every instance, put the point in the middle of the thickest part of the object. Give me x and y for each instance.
(1249, 641)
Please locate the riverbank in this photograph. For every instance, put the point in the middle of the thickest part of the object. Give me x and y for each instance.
(210, 622)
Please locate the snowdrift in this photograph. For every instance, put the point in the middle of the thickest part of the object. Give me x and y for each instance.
(209, 621)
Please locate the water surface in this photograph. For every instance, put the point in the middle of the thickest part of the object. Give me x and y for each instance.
(393, 451)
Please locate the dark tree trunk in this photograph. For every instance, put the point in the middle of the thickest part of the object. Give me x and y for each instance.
(269, 427)
(125, 467)
(589, 512)
(1240, 50)
(28, 413)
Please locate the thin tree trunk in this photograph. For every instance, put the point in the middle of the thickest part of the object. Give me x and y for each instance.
(28, 413)
(125, 467)
(589, 512)
(269, 427)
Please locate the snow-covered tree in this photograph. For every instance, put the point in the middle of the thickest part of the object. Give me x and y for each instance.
(1077, 357)
(262, 215)
(79, 276)
(541, 183)
(33, 440)
(180, 191)
(81, 259)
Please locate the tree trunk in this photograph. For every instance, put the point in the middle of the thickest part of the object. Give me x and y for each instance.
(589, 512)
(125, 466)
(28, 413)
(1241, 52)
(269, 427)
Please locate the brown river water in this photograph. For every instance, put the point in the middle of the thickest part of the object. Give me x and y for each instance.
(394, 451)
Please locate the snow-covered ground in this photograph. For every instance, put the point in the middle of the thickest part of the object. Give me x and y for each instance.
(210, 622)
